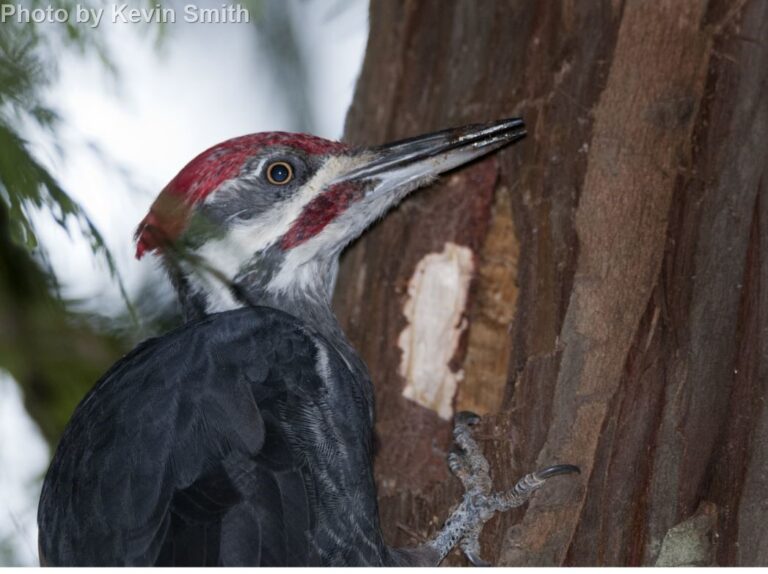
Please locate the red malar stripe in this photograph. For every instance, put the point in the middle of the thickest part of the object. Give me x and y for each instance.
(321, 211)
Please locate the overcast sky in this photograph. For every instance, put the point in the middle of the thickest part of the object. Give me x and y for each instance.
(127, 137)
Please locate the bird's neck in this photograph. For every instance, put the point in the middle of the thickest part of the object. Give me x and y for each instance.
(307, 296)
(304, 292)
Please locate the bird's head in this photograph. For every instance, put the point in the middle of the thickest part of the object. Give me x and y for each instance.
(271, 212)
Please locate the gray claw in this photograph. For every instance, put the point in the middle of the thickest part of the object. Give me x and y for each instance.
(556, 470)
(480, 503)
(466, 418)
(475, 560)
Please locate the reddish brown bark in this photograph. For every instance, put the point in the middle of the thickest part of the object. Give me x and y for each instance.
(618, 313)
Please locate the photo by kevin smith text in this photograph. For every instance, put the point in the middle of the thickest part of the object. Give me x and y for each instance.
(124, 14)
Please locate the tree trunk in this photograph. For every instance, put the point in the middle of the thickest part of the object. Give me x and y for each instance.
(617, 307)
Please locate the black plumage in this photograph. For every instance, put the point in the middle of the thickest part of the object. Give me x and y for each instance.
(243, 438)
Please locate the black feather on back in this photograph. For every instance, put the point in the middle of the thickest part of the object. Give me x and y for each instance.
(240, 439)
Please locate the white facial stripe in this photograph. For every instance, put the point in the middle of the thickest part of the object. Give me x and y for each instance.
(218, 295)
(231, 252)
(250, 236)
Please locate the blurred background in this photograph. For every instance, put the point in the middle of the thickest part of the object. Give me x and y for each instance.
(93, 123)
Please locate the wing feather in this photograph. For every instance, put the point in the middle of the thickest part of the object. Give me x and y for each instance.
(178, 456)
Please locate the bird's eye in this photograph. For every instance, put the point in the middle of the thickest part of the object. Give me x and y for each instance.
(279, 173)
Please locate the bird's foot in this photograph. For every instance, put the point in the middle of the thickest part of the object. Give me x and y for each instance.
(479, 503)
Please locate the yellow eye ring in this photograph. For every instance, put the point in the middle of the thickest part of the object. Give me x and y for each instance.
(279, 173)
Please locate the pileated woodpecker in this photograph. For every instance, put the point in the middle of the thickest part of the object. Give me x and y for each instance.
(244, 437)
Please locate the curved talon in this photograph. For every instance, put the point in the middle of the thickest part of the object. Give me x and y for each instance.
(475, 560)
(557, 470)
(479, 503)
(466, 418)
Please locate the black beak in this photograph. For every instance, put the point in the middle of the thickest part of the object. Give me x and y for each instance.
(431, 154)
